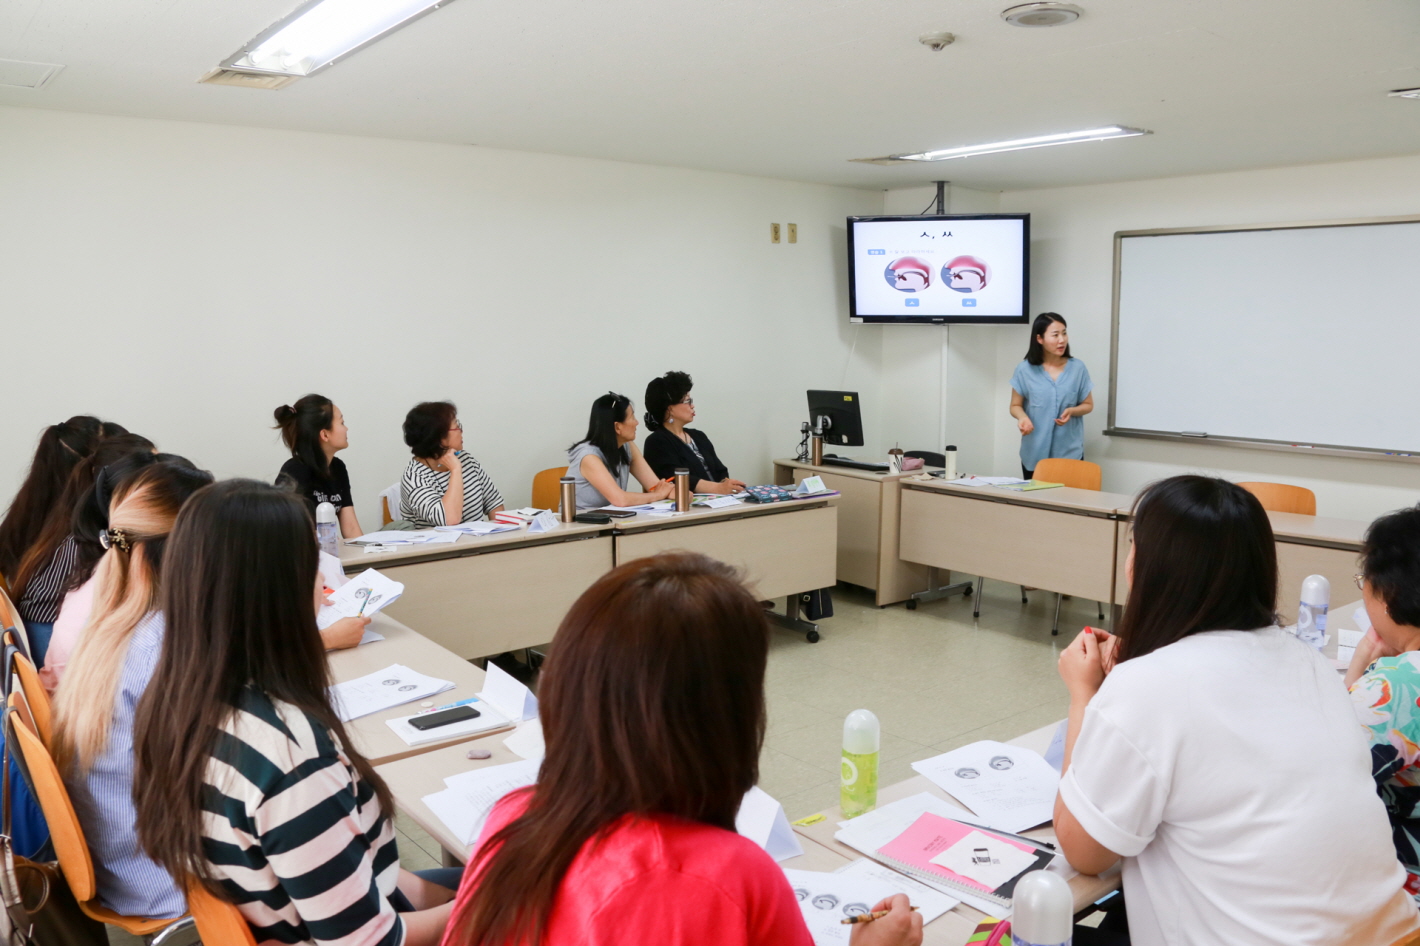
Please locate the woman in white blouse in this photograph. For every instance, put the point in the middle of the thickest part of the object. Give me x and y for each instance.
(443, 485)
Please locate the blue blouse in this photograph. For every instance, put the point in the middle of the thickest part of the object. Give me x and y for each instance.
(1045, 400)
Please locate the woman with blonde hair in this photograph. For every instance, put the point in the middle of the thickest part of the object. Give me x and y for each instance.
(107, 674)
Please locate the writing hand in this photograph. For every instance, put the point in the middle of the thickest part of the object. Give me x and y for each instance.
(901, 927)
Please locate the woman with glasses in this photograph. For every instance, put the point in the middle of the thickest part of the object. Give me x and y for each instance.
(1384, 676)
(672, 445)
(604, 461)
(443, 485)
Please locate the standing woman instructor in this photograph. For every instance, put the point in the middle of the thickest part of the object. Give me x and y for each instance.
(1050, 392)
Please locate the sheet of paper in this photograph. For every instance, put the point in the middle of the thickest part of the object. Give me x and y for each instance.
(761, 819)
(487, 719)
(543, 522)
(989, 481)
(527, 740)
(378, 691)
(367, 593)
(478, 527)
(1361, 618)
(985, 859)
(439, 537)
(828, 899)
(1055, 752)
(930, 903)
(720, 502)
(391, 537)
(455, 810)
(1007, 787)
(508, 696)
(332, 571)
(481, 788)
(370, 636)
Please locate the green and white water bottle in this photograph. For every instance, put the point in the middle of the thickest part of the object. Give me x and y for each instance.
(858, 791)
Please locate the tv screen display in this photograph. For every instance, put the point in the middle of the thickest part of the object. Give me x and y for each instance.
(939, 269)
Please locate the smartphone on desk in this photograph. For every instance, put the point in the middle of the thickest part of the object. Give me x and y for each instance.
(598, 518)
(444, 717)
(620, 513)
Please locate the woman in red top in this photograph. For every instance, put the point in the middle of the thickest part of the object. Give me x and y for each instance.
(653, 713)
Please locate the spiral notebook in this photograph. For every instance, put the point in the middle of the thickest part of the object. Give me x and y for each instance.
(964, 858)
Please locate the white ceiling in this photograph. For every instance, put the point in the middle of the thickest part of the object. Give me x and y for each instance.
(785, 88)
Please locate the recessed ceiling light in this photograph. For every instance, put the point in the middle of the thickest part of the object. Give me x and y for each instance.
(27, 75)
(1041, 14)
(1018, 144)
(1405, 94)
(323, 32)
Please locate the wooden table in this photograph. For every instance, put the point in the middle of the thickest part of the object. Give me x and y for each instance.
(375, 740)
(782, 549)
(867, 528)
(488, 594)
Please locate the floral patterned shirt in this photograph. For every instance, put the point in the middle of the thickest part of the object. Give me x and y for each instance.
(1387, 701)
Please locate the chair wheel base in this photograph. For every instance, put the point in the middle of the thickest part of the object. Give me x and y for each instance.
(911, 605)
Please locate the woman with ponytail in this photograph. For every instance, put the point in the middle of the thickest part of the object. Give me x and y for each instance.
(314, 431)
(108, 672)
(669, 407)
(60, 449)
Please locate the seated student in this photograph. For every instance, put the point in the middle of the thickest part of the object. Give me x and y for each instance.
(45, 571)
(653, 712)
(1216, 753)
(60, 449)
(246, 780)
(314, 431)
(1384, 676)
(671, 444)
(442, 485)
(603, 462)
(109, 670)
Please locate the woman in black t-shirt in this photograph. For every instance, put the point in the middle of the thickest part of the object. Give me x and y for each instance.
(314, 430)
(671, 444)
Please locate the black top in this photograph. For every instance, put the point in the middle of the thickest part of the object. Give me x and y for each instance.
(334, 490)
(665, 452)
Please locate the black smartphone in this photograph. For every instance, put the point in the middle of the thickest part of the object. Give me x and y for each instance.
(599, 518)
(444, 717)
(620, 513)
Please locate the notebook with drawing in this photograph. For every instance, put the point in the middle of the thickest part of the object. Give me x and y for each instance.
(963, 857)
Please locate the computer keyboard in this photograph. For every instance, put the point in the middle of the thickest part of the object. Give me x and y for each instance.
(831, 460)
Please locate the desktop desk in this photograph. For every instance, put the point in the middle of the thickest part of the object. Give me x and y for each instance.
(375, 740)
(1314, 545)
(783, 549)
(867, 528)
(489, 594)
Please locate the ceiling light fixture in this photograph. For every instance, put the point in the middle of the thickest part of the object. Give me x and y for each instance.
(1405, 94)
(1041, 14)
(1022, 144)
(323, 32)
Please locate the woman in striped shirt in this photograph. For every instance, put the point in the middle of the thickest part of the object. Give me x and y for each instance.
(246, 781)
(442, 485)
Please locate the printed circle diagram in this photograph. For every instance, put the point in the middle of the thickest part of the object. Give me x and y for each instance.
(1001, 762)
(908, 274)
(967, 772)
(966, 274)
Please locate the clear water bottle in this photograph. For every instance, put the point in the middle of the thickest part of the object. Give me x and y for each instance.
(1311, 613)
(858, 791)
(327, 529)
(1042, 911)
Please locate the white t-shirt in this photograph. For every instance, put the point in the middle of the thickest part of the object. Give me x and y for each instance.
(1229, 771)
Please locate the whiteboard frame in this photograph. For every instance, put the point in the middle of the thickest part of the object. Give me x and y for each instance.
(1310, 449)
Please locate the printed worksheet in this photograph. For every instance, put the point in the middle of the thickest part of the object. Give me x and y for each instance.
(378, 691)
(828, 899)
(1006, 787)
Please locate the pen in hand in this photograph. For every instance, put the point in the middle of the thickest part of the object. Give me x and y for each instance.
(867, 917)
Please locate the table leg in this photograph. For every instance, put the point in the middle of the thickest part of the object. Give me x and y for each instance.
(936, 591)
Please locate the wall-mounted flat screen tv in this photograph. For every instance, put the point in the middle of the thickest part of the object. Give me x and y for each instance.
(939, 269)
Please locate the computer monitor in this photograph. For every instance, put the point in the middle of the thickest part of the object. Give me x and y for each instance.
(842, 422)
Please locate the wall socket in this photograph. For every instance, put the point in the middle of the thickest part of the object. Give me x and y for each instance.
(793, 233)
(774, 233)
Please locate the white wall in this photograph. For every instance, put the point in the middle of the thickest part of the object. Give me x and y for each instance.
(185, 279)
(1072, 233)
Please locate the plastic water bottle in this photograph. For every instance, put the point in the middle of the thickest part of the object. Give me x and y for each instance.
(1311, 613)
(1042, 910)
(327, 529)
(858, 791)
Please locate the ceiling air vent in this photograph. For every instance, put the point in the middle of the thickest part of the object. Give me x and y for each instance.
(27, 75)
(247, 80)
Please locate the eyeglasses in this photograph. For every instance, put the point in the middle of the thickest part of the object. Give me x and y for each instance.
(687, 400)
(1360, 581)
(458, 425)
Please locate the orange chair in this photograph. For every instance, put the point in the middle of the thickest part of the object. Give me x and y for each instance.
(1280, 497)
(1077, 474)
(36, 696)
(10, 619)
(546, 489)
(217, 920)
(66, 834)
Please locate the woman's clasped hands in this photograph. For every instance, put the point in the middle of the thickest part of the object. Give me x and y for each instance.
(1087, 661)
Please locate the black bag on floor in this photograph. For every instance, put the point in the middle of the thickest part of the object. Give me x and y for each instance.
(817, 605)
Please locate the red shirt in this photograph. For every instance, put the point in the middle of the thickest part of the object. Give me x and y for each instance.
(666, 881)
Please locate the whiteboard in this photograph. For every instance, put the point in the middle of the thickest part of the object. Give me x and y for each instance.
(1289, 337)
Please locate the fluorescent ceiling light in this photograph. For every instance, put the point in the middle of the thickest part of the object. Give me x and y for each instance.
(1405, 94)
(1025, 144)
(321, 33)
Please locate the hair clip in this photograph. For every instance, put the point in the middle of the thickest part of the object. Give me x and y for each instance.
(114, 538)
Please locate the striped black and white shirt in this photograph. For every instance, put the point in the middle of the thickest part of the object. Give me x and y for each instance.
(293, 834)
(421, 499)
(44, 593)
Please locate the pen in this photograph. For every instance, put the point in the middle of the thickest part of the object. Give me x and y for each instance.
(1006, 834)
(361, 612)
(435, 709)
(867, 917)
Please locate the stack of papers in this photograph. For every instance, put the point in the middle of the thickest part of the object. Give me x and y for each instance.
(391, 537)
(828, 899)
(488, 719)
(1009, 788)
(990, 481)
(479, 527)
(720, 502)
(468, 799)
(383, 689)
(367, 594)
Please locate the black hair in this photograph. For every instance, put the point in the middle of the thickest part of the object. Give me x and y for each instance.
(1035, 354)
(91, 514)
(301, 425)
(607, 410)
(1390, 562)
(1204, 560)
(61, 447)
(425, 427)
(662, 394)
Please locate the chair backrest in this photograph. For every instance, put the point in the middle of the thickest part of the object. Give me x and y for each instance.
(546, 493)
(389, 503)
(217, 920)
(928, 457)
(64, 829)
(1077, 474)
(1281, 497)
(36, 697)
(10, 618)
